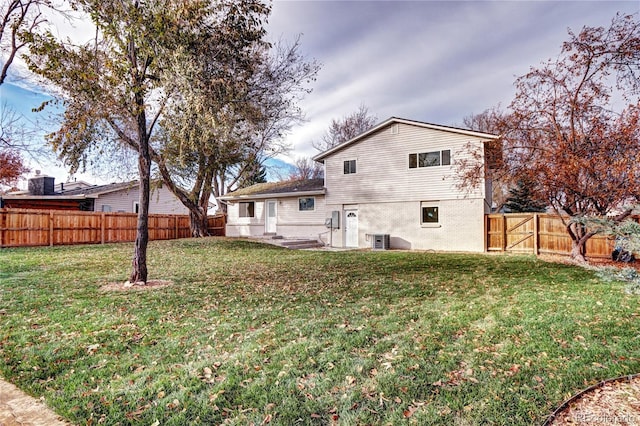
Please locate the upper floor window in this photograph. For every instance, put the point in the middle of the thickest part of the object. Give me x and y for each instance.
(306, 204)
(349, 167)
(430, 159)
(247, 209)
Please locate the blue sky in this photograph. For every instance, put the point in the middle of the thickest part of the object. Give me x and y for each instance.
(433, 61)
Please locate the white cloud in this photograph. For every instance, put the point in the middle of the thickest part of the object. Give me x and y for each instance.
(435, 61)
(430, 61)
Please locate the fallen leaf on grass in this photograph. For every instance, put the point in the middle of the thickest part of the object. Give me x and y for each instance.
(92, 349)
(409, 411)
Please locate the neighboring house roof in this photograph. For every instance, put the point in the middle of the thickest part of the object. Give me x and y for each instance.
(278, 189)
(97, 190)
(93, 191)
(320, 157)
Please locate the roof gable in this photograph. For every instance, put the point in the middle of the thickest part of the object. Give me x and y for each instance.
(393, 120)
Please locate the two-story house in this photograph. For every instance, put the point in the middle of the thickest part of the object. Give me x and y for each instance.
(400, 178)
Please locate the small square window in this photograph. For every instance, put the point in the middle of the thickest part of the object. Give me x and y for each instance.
(306, 204)
(247, 209)
(349, 167)
(429, 214)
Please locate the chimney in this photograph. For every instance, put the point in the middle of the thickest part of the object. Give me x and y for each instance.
(41, 185)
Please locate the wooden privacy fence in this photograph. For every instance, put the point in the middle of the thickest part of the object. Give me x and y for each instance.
(26, 227)
(538, 233)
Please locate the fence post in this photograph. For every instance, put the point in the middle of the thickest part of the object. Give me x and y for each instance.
(103, 219)
(486, 233)
(51, 228)
(3, 215)
(504, 233)
(536, 235)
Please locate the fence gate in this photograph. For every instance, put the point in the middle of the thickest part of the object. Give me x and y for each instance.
(539, 233)
(521, 233)
(513, 233)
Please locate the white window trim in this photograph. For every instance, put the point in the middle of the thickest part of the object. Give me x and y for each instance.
(417, 154)
(307, 210)
(355, 162)
(436, 204)
(240, 203)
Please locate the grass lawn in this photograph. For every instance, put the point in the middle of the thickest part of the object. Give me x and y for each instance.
(251, 333)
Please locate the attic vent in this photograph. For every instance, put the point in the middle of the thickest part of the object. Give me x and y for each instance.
(395, 129)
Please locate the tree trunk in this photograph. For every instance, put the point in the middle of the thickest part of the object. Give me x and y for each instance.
(198, 223)
(577, 251)
(139, 270)
(579, 237)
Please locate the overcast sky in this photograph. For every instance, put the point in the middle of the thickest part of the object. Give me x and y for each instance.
(433, 61)
(421, 60)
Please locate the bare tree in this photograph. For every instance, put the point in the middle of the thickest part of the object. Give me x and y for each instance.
(346, 128)
(16, 17)
(306, 168)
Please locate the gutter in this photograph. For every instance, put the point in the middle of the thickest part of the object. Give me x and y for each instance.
(271, 195)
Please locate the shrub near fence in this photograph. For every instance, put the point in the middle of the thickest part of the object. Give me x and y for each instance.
(25, 227)
(538, 233)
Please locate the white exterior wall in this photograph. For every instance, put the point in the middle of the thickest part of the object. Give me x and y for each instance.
(290, 222)
(161, 201)
(388, 194)
(460, 227)
(383, 173)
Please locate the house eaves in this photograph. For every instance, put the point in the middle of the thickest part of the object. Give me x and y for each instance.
(283, 189)
(320, 157)
(271, 195)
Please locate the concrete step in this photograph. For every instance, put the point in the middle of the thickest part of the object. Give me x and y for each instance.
(301, 244)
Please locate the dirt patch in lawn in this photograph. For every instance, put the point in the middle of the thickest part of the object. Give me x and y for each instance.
(595, 262)
(126, 286)
(612, 402)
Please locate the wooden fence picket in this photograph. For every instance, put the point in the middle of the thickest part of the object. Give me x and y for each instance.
(28, 228)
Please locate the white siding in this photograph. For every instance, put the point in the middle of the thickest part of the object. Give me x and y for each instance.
(382, 170)
(245, 226)
(460, 227)
(290, 222)
(161, 201)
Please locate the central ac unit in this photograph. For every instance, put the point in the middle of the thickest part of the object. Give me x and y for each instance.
(380, 242)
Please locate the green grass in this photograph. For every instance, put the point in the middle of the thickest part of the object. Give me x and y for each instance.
(251, 333)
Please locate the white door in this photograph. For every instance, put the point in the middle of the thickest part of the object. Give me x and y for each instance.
(351, 228)
(270, 217)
